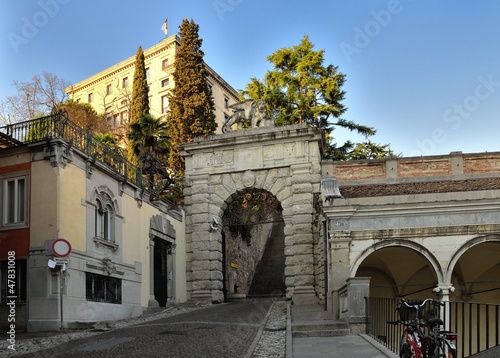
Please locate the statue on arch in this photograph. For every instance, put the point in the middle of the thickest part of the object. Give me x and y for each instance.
(250, 112)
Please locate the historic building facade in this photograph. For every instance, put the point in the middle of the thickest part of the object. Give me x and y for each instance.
(418, 226)
(60, 184)
(110, 91)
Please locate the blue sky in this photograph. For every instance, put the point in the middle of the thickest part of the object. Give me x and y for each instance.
(425, 74)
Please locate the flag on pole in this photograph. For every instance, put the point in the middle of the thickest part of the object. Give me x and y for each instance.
(164, 27)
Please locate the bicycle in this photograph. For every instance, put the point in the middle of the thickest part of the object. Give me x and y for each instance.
(414, 343)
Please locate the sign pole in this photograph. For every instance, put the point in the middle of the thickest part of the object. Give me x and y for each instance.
(61, 277)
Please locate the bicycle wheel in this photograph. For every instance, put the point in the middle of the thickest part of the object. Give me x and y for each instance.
(441, 350)
(405, 350)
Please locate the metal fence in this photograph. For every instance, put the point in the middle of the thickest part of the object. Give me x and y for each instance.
(477, 324)
(58, 126)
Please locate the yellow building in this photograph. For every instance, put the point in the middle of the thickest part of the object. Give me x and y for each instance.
(110, 91)
(126, 250)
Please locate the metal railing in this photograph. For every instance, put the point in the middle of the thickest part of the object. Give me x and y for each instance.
(58, 126)
(477, 324)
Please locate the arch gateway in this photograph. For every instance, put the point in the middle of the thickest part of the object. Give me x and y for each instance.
(413, 227)
(282, 161)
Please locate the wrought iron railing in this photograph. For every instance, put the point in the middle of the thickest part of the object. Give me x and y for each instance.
(58, 126)
(477, 324)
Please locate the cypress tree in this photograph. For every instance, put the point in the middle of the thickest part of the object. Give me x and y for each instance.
(192, 108)
(140, 97)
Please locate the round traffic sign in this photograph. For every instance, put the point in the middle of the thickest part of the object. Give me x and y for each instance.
(61, 247)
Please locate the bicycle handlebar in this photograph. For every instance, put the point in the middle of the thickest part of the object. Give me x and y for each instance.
(417, 306)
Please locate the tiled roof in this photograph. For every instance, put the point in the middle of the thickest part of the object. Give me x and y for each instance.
(360, 191)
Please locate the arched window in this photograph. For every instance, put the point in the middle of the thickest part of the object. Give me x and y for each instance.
(104, 218)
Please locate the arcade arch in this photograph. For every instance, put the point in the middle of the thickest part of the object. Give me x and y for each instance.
(398, 269)
(475, 270)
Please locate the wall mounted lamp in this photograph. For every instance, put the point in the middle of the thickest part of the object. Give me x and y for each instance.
(330, 188)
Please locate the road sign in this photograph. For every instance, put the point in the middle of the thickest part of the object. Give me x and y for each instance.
(61, 247)
(61, 261)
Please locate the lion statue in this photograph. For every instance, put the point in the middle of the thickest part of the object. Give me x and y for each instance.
(251, 112)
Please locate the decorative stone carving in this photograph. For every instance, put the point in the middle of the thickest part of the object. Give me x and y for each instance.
(252, 112)
(248, 179)
(108, 266)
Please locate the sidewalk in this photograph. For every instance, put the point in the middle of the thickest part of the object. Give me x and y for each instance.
(350, 346)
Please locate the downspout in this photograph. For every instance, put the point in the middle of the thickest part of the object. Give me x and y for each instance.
(325, 262)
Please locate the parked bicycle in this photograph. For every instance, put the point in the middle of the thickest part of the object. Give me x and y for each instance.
(417, 318)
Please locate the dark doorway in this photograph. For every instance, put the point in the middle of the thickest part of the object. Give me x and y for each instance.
(269, 277)
(160, 272)
(253, 246)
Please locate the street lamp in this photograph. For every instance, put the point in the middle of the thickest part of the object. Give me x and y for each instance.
(330, 188)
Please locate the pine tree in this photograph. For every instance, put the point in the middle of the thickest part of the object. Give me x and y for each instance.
(140, 97)
(301, 89)
(192, 108)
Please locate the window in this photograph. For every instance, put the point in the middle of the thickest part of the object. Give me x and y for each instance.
(125, 82)
(15, 200)
(123, 117)
(101, 288)
(104, 218)
(109, 89)
(164, 104)
(164, 64)
(210, 87)
(148, 73)
(17, 291)
(91, 97)
(165, 82)
(226, 102)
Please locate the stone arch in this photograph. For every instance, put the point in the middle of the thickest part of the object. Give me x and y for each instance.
(104, 189)
(468, 245)
(414, 273)
(286, 162)
(471, 281)
(400, 243)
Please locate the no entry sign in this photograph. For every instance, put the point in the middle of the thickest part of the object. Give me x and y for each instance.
(61, 247)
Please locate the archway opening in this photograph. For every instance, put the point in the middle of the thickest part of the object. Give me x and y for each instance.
(254, 248)
(398, 271)
(476, 275)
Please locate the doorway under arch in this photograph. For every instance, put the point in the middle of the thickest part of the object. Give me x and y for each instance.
(254, 245)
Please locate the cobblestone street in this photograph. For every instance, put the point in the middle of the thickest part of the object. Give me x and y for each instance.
(226, 330)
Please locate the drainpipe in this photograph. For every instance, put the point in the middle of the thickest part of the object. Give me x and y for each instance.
(325, 261)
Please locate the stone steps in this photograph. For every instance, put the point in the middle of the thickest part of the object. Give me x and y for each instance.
(320, 329)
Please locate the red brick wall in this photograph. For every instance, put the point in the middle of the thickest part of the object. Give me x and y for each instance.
(424, 167)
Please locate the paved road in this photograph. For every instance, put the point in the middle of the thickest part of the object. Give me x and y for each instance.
(226, 330)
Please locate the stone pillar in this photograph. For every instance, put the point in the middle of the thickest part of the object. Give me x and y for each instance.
(358, 290)
(300, 240)
(340, 241)
(152, 301)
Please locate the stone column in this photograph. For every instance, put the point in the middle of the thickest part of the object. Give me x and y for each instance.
(152, 301)
(299, 240)
(205, 264)
(339, 249)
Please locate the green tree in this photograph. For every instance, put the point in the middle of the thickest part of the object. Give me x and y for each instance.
(192, 109)
(149, 142)
(140, 98)
(301, 89)
(140, 95)
(84, 115)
